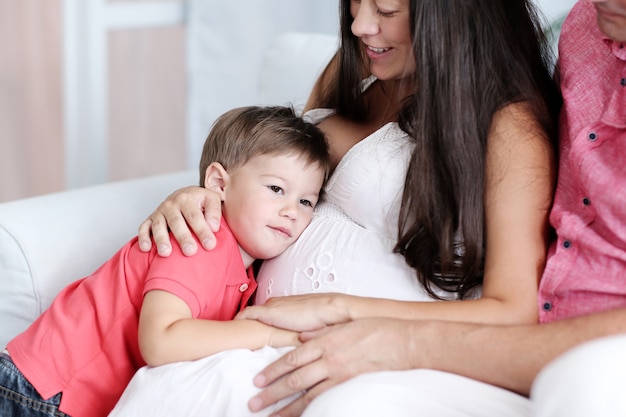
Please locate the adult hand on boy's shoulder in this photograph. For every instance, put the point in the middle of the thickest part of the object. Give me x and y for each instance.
(187, 210)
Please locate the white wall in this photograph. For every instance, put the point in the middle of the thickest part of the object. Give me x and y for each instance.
(555, 8)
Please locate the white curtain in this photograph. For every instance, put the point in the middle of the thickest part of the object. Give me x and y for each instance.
(31, 138)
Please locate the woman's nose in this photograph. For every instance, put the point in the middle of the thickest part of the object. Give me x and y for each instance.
(365, 21)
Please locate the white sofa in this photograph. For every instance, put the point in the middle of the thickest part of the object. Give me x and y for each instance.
(48, 241)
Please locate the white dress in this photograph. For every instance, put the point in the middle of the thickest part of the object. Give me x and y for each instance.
(347, 248)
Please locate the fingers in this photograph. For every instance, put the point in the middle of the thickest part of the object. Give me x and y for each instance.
(203, 217)
(248, 313)
(213, 211)
(296, 407)
(188, 211)
(144, 235)
(313, 334)
(155, 227)
(293, 409)
(269, 316)
(179, 229)
(298, 370)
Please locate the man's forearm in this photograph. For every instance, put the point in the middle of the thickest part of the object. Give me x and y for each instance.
(506, 356)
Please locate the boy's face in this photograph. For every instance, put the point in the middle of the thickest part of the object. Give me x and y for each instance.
(612, 18)
(269, 201)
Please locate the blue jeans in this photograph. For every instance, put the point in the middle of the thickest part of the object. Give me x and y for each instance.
(18, 398)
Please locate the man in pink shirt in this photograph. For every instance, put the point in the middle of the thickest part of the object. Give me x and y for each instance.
(574, 362)
(585, 269)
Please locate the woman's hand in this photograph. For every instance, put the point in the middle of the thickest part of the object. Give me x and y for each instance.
(301, 312)
(330, 356)
(195, 208)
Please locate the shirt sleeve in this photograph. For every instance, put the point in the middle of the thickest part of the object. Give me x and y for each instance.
(202, 280)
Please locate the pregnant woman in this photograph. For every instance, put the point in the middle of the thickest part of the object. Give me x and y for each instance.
(440, 117)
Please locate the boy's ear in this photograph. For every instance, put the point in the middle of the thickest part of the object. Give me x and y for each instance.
(216, 178)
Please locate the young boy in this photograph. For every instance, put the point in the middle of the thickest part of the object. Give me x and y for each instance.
(269, 166)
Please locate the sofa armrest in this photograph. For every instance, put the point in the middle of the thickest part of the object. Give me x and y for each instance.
(48, 241)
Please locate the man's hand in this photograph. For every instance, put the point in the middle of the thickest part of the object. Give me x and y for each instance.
(330, 356)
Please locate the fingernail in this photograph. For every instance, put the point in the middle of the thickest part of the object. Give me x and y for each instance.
(144, 246)
(259, 380)
(254, 404)
(215, 225)
(188, 249)
(208, 243)
(164, 249)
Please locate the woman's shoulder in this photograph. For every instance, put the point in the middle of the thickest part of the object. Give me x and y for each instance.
(517, 135)
(516, 117)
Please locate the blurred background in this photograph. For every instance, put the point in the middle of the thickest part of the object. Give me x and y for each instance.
(93, 91)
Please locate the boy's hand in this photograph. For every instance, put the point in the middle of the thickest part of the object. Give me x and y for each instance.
(281, 337)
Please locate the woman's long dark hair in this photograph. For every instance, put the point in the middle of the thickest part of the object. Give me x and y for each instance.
(472, 57)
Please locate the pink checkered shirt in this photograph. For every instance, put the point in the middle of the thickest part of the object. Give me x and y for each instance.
(586, 268)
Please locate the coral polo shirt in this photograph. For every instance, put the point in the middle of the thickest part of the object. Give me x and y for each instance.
(85, 345)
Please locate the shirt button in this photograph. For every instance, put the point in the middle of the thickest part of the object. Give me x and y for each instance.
(592, 136)
(567, 244)
(586, 201)
(623, 82)
(547, 306)
(243, 287)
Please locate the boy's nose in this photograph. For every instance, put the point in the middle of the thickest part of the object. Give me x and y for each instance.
(289, 209)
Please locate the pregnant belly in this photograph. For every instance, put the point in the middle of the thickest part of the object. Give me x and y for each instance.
(335, 254)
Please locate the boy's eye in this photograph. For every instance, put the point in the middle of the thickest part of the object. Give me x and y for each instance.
(275, 188)
(306, 203)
